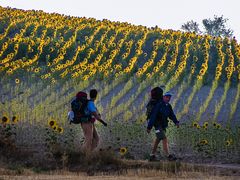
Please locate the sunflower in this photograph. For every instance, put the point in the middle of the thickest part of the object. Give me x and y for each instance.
(53, 81)
(214, 124)
(195, 124)
(55, 127)
(218, 126)
(17, 81)
(205, 125)
(142, 120)
(204, 142)
(199, 77)
(36, 70)
(52, 123)
(5, 120)
(228, 143)
(122, 151)
(161, 74)
(9, 71)
(14, 119)
(60, 130)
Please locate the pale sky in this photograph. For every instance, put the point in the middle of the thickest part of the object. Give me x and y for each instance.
(167, 14)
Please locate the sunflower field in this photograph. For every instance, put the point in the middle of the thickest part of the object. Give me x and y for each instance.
(46, 58)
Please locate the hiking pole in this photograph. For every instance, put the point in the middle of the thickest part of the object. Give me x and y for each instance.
(103, 122)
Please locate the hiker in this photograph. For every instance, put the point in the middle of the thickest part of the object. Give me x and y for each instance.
(89, 129)
(158, 118)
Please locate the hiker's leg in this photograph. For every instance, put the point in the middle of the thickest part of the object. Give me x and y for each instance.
(171, 157)
(88, 134)
(160, 135)
(165, 146)
(95, 140)
(155, 145)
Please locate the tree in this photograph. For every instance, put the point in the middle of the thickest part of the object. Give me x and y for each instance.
(213, 27)
(217, 27)
(191, 26)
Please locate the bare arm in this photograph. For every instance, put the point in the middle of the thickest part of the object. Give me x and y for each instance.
(98, 117)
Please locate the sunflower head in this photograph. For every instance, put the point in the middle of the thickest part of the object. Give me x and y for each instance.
(205, 125)
(52, 123)
(5, 120)
(36, 70)
(14, 119)
(228, 143)
(195, 124)
(218, 126)
(55, 127)
(204, 142)
(17, 81)
(60, 130)
(122, 151)
(214, 124)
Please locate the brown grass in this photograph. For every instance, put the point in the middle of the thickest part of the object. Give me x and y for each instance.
(105, 165)
(126, 170)
(128, 174)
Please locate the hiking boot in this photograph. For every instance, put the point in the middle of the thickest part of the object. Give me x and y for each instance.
(171, 157)
(152, 157)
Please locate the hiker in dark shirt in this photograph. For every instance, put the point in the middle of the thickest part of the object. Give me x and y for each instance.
(158, 119)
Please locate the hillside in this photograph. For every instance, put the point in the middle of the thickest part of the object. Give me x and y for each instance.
(57, 49)
(46, 58)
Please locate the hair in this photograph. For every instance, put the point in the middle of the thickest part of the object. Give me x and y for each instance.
(93, 93)
(157, 93)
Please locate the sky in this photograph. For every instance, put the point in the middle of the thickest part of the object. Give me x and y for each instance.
(166, 14)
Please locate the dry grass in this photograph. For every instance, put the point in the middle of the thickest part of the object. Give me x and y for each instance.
(100, 167)
(128, 174)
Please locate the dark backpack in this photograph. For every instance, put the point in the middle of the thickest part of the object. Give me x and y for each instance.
(79, 108)
(156, 94)
(150, 107)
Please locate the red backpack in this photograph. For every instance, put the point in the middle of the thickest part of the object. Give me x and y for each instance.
(79, 109)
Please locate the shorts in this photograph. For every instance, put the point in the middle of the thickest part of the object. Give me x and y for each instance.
(161, 134)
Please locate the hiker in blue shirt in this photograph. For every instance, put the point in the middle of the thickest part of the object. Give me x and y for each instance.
(158, 119)
(89, 129)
